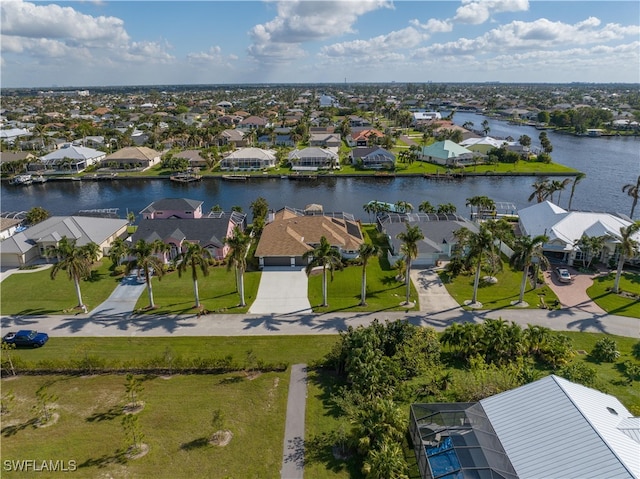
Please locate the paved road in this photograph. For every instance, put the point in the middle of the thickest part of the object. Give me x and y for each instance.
(293, 452)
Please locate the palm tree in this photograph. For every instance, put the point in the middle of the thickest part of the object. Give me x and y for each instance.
(145, 259)
(577, 179)
(403, 207)
(239, 246)
(426, 207)
(409, 248)
(117, 250)
(540, 190)
(196, 257)
(628, 247)
(557, 185)
(481, 202)
(476, 245)
(365, 253)
(327, 257)
(634, 192)
(525, 252)
(74, 260)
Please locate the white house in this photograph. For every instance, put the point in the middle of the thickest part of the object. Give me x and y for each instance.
(73, 158)
(564, 229)
(249, 159)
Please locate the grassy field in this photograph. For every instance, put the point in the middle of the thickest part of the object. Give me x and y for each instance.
(174, 294)
(615, 303)
(34, 292)
(499, 295)
(177, 409)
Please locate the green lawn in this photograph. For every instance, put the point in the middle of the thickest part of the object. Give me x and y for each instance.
(499, 295)
(174, 294)
(35, 292)
(384, 292)
(614, 303)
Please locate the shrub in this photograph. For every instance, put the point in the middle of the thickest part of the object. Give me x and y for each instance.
(579, 372)
(605, 351)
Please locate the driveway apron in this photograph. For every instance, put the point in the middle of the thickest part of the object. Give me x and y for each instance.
(282, 291)
(293, 454)
(122, 301)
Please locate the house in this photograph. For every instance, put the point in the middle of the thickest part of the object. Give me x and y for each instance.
(565, 228)
(325, 140)
(548, 428)
(290, 233)
(31, 245)
(193, 157)
(134, 157)
(15, 160)
(364, 137)
(249, 159)
(173, 208)
(485, 144)
(438, 230)
(253, 123)
(374, 158)
(209, 232)
(70, 158)
(232, 137)
(9, 226)
(446, 153)
(327, 101)
(313, 158)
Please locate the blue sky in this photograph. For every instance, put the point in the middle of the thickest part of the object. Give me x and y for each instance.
(96, 43)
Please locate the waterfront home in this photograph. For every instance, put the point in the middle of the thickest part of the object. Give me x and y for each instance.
(313, 158)
(446, 153)
(565, 228)
(31, 245)
(249, 159)
(290, 233)
(438, 230)
(193, 157)
(69, 159)
(373, 158)
(209, 232)
(15, 161)
(9, 226)
(551, 427)
(173, 208)
(232, 137)
(132, 157)
(325, 140)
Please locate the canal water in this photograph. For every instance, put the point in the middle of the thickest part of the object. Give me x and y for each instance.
(609, 163)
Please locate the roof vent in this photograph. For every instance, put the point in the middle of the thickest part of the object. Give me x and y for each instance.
(612, 411)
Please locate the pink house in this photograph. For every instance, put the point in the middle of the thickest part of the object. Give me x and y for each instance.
(173, 208)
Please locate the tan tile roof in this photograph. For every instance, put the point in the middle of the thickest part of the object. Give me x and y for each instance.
(291, 234)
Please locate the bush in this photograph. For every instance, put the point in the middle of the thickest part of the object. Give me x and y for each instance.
(605, 351)
(579, 373)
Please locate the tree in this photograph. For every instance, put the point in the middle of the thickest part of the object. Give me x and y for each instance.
(426, 207)
(194, 257)
(117, 251)
(559, 186)
(577, 179)
(627, 248)
(540, 190)
(605, 351)
(259, 210)
(525, 141)
(481, 203)
(36, 215)
(590, 246)
(74, 260)
(145, 259)
(525, 252)
(634, 192)
(476, 245)
(328, 258)
(133, 433)
(365, 253)
(446, 209)
(133, 387)
(409, 249)
(44, 404)
(485, 127)
(239, 246)
(403, 207)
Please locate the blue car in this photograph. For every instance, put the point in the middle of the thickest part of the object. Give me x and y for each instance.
(26, 339)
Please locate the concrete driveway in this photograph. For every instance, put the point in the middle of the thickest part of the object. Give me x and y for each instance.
(282, 291)
(574, 295)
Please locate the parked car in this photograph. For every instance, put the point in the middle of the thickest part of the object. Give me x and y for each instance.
(563, 275)
(26, 338)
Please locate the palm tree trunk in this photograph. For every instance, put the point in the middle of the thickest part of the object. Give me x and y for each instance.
(196, 292)
(476, 281)
(523, 285)
(149, 290)
(363, 291)
(324, 286)
(241, 288)
(78, 292)
(616, 283)
(408, 279)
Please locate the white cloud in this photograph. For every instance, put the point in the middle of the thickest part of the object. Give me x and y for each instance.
(479, 11)
(213, 56)
(300, 21)
(433, 25)
(406, 38)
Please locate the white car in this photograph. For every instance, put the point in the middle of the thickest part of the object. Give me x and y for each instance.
(563, 275)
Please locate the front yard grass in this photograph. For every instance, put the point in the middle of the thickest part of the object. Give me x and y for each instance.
(384, 292)
(35, 293)
(174, 294)
(621, 305)
(498, 295)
